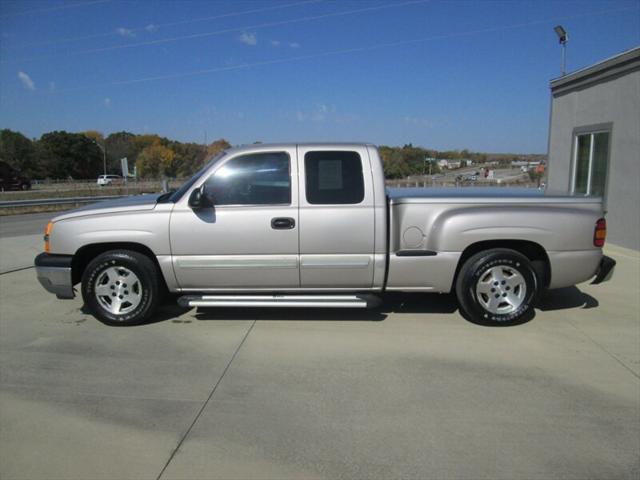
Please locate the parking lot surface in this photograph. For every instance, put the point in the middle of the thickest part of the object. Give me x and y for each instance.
(411, 390)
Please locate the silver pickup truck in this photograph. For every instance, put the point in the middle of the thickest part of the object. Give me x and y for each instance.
(312, 225)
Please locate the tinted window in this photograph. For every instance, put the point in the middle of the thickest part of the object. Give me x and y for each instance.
(334, 178)
(256, 179)
(591, 160)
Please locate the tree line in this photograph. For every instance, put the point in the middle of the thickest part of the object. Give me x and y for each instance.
(63, 155)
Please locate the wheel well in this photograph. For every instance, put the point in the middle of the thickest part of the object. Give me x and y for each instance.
(85, 254)
(533, 251)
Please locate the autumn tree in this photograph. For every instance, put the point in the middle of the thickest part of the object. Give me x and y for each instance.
(155, 160)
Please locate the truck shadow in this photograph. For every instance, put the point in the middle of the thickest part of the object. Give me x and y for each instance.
(564, 298)
(393, 303)
(412, 303)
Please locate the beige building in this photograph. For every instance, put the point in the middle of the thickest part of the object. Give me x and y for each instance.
(594, 140)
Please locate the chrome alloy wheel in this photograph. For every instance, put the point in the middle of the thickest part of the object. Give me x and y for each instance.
(118, 290)
(501, 289)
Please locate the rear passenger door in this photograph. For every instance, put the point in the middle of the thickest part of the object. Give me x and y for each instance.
(336, 218)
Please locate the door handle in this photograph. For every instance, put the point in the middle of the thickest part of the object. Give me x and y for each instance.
(283, 223)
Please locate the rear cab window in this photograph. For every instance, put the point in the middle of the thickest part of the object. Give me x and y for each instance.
(333, 178)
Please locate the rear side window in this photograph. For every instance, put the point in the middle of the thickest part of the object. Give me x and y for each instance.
(334, 178)
(255, 179)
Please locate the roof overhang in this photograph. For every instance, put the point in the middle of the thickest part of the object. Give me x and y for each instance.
(614, 67)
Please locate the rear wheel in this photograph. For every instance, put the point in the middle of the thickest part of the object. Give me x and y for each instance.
(120, 287)
(497, 287)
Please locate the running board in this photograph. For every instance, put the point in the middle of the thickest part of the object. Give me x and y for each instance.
(301, 301)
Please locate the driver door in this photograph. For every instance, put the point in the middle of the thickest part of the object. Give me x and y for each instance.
(248, 239)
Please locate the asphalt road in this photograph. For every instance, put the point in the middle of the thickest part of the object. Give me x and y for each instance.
(18, 225)
(408, 391)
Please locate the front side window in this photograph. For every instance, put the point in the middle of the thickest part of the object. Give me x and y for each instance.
(334, 178)
(254, 179)
(590, 163)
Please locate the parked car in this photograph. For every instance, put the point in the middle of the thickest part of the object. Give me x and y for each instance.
(11, 179)
(311, 225)
(106, 180)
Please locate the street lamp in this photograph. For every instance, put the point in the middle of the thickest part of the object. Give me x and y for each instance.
(104, 154)
(563, 38)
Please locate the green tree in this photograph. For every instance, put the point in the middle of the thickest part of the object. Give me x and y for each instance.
(121, 145)
(18, 151)
(65, 154)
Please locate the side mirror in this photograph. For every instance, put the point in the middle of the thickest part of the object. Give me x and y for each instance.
(198, 200)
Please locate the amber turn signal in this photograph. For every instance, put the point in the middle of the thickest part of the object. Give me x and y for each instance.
(47, 234)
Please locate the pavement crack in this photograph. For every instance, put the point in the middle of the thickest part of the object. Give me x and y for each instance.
(16, 270)
(206, 402)
(605, 350)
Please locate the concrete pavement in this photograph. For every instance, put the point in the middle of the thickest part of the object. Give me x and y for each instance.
(21, 239)
(412, 390)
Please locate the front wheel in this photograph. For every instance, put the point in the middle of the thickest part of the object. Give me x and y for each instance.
(120, 287)
(497, 287)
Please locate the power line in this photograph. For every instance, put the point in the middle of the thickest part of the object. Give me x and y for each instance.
(221, 32)
(51, 9)
(344, 51)
(163, 25)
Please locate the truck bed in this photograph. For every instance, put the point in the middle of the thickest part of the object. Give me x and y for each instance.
(500, 195)
(431, 228)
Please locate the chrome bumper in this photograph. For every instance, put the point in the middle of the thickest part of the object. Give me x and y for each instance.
(54, 274)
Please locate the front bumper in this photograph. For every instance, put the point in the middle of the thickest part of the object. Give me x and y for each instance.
(54, 274)
(605, 270)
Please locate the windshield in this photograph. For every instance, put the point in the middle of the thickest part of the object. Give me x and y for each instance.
(177, 195)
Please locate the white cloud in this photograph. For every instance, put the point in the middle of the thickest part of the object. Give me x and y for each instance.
(26, 81)
(107, 102)
(275, 43)
(322, 114)
(125, 32)
(294, 45)
(419, 121)
(151, 28)
(248, 38)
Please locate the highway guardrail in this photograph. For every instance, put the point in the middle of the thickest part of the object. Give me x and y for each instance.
(39, 202)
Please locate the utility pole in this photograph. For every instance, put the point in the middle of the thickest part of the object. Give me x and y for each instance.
(104, 154)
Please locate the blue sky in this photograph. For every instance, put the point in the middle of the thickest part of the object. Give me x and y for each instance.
(441, 74)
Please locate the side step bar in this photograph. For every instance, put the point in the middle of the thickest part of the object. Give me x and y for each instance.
(364, 300)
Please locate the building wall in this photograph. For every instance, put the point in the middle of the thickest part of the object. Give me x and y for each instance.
(615, 101)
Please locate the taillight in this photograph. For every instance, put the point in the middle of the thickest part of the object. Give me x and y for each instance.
(47, 234)
(600, 233)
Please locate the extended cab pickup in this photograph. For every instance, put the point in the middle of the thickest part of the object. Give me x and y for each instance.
(312, 225)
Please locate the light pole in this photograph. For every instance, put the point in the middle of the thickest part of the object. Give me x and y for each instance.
(104, 154)
(563, 38)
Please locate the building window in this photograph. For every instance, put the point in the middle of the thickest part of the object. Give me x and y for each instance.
(334, 178)
(255, 179)
(591, 159)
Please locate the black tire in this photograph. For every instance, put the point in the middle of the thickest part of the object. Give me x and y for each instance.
(487, 300)
(25, 186)
(146, 284)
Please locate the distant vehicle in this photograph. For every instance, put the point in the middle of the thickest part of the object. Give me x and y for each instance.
(11, 179)
(311, 225)
(106, 180)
